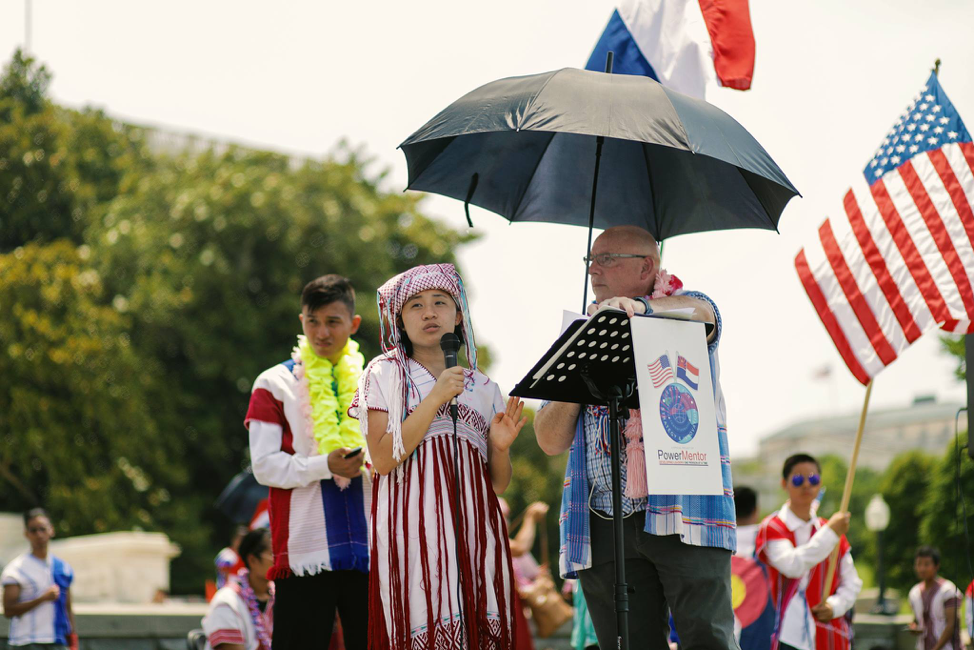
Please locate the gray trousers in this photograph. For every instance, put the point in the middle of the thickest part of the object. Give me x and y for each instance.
(663, 573)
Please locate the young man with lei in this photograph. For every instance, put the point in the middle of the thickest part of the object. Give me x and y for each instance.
(301, 437)
(241, 614)
(795, 543)
(418, 601)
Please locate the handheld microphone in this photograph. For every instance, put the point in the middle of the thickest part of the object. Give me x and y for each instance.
(450, 344)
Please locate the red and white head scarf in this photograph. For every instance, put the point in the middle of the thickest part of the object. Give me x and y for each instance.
(391, 297)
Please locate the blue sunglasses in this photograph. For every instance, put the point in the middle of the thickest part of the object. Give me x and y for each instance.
(798, 480)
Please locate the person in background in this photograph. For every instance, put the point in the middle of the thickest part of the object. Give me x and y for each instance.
(37, 592)
(969, 610)
(525, 566)
(748, 522)
(241, 614)
(935, 602)
(228, 562)
(795, 543)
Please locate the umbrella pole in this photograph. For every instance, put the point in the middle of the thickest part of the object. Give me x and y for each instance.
(599, 141)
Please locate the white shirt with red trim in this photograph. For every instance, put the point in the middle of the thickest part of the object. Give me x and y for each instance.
(228, 621)
(314, 525)
(813, 544)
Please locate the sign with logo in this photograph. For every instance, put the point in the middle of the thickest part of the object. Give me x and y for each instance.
(676, 398)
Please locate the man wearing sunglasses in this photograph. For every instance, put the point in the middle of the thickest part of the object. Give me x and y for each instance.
(796, 544)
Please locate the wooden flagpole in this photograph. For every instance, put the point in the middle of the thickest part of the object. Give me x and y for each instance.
(847, 492)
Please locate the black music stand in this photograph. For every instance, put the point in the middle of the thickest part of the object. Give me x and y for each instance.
(592, 362)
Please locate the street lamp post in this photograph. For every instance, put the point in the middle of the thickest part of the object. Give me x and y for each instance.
(877, 520)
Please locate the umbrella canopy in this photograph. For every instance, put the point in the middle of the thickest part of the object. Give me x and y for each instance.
(240, 497)
(525, 148)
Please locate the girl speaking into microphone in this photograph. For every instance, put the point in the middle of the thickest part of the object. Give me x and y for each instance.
(441, 566)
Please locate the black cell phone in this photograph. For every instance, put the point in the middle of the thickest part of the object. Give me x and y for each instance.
(352, 453)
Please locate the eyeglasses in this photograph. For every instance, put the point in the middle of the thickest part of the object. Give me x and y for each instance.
(606, 260)
(798, 480)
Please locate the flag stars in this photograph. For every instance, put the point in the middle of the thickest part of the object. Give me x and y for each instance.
(924, 127)
(911, 127)
(918, 138)
(914, 148)
(932, 140)
(900, 148)
(952, 135)
(924, 106)
(929, 98)
(939, 129)
(895, 160)
(944, 120)
(936, 109)
(930, 118)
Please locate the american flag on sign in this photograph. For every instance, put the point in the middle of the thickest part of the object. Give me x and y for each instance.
(660, 371)
(900, 263)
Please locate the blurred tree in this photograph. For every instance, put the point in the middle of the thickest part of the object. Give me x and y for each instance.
(954, 345)
(865, 485)
(56, 165)
(76, 425)
(209, 252)
(904, 487)
(947, 502)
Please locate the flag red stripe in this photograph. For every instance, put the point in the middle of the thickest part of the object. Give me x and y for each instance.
(954, 189)
(729, 26)
(852, 293)
(941, 237)
(911, 256)
(877, 263)
(967, 148)
(828, 318)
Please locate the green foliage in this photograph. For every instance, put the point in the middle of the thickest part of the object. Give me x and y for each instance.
(75, 418)
(536, 477)
(954, 346)
(56, 165)
(866, 484)
(904, 486)
(943, 512)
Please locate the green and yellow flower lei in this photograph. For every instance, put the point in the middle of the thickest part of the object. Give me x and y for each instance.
(333, 427)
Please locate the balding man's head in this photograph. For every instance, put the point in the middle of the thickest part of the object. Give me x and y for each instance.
(624, 276)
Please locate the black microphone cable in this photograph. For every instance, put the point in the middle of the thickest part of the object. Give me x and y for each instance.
(450, 344)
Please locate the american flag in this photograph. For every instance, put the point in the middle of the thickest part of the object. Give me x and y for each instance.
(901, 260)
(660, 371)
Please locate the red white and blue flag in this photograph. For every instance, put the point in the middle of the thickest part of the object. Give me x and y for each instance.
(900, 261)
(660, 371)
(687, 372)
(683, 44)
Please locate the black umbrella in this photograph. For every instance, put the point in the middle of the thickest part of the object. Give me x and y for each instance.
(240, 497)
(530, 149)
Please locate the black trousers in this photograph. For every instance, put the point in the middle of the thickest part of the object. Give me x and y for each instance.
(664, 574)
(304, 610)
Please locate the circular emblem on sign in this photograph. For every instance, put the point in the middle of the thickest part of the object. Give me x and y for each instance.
(678, 413)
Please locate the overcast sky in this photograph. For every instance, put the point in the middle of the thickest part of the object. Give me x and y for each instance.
(830, 79)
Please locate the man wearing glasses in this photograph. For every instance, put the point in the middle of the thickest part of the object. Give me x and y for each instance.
(677, 547)
(796, 544)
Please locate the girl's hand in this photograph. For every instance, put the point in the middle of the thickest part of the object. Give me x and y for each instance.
(448, 386)
(506, 425)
